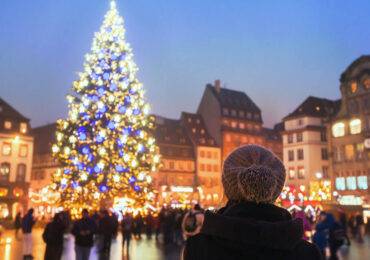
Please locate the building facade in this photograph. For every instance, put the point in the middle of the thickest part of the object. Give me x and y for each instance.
(305, 149)
(233, 119)
(349, 136)
(16, 146)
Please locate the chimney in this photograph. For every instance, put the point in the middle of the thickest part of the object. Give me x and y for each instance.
(218, 85)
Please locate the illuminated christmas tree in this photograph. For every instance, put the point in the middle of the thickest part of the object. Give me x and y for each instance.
(105, 146)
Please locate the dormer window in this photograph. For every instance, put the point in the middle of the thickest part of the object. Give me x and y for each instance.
(225, 111)
(241, 113)
(8, 125)
(198, 121)
(317, 108)
(233, 112)
(193, 130)
(256, 116)
(355, 126)
(23, 128)
(249, 115)
(353, 87)
(202, 131)
(367, 83)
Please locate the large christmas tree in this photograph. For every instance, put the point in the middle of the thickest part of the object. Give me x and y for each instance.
(105, 146)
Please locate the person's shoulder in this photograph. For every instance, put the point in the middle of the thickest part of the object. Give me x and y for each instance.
(193, 246)
(307, 250)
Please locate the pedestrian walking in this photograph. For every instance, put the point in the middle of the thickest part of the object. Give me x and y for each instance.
(127, 225)
(139, 224)
(337, 237)
(251, 226)
(27, 224)
(53, 236)
(17, 224)
(149, 222)
(106, 232)
(321, 236)
(84, 230)
(360, 227)
(192, 221)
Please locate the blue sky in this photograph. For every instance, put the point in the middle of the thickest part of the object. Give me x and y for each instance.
(278, 52)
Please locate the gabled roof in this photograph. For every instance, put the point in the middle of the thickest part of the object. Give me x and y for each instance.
(170, 131)
(44, 137)
(7, 111)
(234, 99)
(271, 134)
(196, 129)
(316, 107)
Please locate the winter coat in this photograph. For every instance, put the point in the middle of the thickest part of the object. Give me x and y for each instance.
(250, 231)
(84, 230)
(320, 238)
(27, 223)
(54, 233)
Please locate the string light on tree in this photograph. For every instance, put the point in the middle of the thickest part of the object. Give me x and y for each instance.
(105, 145)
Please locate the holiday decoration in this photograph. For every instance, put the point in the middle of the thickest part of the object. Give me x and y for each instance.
(105, 145)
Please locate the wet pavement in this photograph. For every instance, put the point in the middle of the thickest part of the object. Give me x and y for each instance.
(11, 249)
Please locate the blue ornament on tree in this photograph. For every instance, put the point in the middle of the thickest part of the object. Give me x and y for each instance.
(113, 87)
(103, 188)
(106, 76)
(101, 91)
(67, 171)
(132, 179)
(122, 109)
(94, 76)
(136, 188)
(111, 125)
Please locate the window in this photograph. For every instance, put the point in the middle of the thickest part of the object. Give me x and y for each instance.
(290, 138)
(241, 125)
(189, 166)
(215, 168)
(300, 154)
(299, 137)
(202, 154)
(340, 183)
(209, 167)
(367, 83)
(301, 172)
(360, 148)
(353, 107)
(226, 122)
(23, 150)
(23, 128)
(362, 182)
(6, 149)
(256, 116)
(338, 129)
(351, 183)
(349, 152)
(300, 122)
(233, 124)
(233, 112)
(4, 171)
(215, 155)
(225, 111)
(181, 166)
(21, 172)
(209, 154)
(8, 125)
(202, 131)
(291, 173)
(202, 167)
(338, 154)
(324, 154)
(241, 114)
(249, 115)
(323, 136)
(353, 86)
(172, 165)
(325, 172)
(291, 155)
(194, 130)
(355, 126)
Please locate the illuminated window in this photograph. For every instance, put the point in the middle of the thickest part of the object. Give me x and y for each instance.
(202, 154)
(291, 155)
(4, 171)
(301, 172)
(241, 125)
(362, 182)
(7, 149)
(291, 173)
(360, 148)
(209, 168)
(172, 165)
(340, 183)
(23, 128)
(4, 210)
(21, 172)
(233, 124)
(3, 192)
(355, 126)
(367, 83)
(23, 150)
(351, 183)
(202, 167)
(209, 154)
(202, 131)
(353, 86)
(215, 155)
(215, 168)
(8, 125)
(338, 129)
(349, 152)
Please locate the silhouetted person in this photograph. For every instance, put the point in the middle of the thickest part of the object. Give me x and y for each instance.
(53, 236)
(127, 226)
(17, 224)
(106, 231)
(84, 230)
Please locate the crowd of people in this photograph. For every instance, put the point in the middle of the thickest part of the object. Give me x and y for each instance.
(100, 228)
(250, 226)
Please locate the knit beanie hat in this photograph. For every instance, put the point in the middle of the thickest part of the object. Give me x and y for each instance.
(253, 173)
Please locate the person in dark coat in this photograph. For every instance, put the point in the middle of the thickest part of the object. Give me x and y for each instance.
(106, 232)
(250, 226)
(84, 230)
(17, 224)
(28, 222)
(53, 236)
(127, 226)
